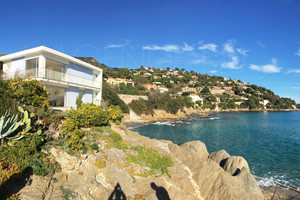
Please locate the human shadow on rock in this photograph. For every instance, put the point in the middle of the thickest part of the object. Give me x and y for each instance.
(161, 192)
(15, 183)
(117, 194)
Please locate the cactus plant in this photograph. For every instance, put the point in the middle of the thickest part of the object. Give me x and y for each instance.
(8, 125)
(26, 120)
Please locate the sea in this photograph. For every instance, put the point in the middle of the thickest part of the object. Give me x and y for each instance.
(269, 141)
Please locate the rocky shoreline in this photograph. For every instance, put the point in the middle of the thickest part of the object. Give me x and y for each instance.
(195, 174)
(162, 116)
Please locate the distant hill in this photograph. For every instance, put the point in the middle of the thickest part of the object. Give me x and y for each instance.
(3, 54)
(94, 62)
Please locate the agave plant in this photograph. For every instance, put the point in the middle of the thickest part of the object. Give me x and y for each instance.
(8, 125)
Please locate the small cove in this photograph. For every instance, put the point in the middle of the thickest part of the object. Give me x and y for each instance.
(269, 141)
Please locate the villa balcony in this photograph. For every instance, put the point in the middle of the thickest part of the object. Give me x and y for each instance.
(49, 75)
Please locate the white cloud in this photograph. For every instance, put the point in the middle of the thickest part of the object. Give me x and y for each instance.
(232, 64)
(294, 71)
(200, 60)
(242, 52)
(213, 71)
(167, 48)
(298, 53)
(117, 45)
(261, 44)
(269, 68)
(211, 47)
(187, 47)
(229, 46)
(296, 88)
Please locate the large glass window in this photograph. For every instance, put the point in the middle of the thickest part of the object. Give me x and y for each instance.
(57, 95)
(55, 70)
(32, 66)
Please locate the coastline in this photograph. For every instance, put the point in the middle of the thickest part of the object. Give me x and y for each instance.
(148, 119)
(267, 189)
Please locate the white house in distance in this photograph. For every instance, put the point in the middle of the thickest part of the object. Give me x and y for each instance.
(196, 98)
(65, 77)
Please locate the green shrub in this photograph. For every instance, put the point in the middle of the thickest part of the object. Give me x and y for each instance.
(140, 106)
(151, 158)
(6, 100)
(94, 147)
(79, 102)
(160, 101)
(68, 194)
(111, 97)
(115, 114)
(22, 151)
(41, 168)
(115, 140)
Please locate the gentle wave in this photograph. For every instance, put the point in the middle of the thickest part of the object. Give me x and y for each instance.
(273, 180)
(164, 123)
(215, 118)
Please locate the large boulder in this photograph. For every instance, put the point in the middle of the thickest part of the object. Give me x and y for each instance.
(189, 151)
(235, 164)
(217, 176)
(219, 157)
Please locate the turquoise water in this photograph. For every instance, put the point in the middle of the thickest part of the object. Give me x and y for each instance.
(269, 141)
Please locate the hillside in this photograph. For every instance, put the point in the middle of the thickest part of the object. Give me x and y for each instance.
(94, 62)
(173, 89)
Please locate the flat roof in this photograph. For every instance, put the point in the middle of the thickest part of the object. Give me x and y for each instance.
(43, 49)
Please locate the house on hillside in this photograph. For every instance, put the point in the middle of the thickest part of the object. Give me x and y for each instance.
(163, 89)
(195, 98)
(117, 81)
(188, 89)
(150, 87)
(264, 102)
(215, 90)
(65, 77)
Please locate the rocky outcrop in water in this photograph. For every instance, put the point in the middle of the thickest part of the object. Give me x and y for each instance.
(196, 174)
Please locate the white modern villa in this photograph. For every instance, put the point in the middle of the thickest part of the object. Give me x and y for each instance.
(65, 77)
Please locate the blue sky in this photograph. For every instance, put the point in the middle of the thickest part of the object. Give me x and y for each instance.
(256, 41)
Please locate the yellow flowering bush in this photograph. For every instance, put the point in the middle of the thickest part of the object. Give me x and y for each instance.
(88, 115)
(31, 92)
(115, 114)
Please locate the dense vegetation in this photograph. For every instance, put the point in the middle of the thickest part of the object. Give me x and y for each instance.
(162, 102)
(16, 92)
(94, 62)
(86, 116)
(24, 149)
(110, 96)
(236, 94)
(23, 138)
(244, 95)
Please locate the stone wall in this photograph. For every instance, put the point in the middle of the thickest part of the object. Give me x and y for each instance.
(128, 98)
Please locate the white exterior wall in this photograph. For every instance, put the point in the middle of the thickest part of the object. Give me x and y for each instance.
(17, 65)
